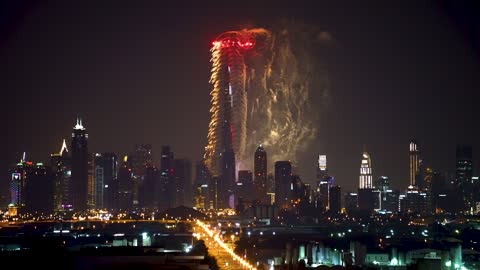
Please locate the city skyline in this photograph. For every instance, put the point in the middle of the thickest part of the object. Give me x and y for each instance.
(113, 128)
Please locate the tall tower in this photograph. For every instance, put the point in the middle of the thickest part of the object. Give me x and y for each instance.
(414, 163)
(283, 181)
(167, 185)
(62, 171)
(260, 171)
(463, 177)
(366, 172)
(79, 150)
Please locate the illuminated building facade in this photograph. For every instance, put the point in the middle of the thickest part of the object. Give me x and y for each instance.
(18, 181)
(79, 150)
(260, 171)
(106, 169)
(91, 184)
(414, 163)
(322, 170)
(62, 172)
(366, 172)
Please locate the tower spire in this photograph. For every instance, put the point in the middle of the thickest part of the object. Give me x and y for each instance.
(64, 147)
(79, 124)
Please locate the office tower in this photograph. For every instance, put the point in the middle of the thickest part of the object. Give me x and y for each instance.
(149, 197)
(39, 190)
(368, 199)
(227, 134)
(105, 180)
(383, 183)
(390, 201)
(245, 186)
(62, 172)
(91, 184)
(106, 173)
(19, 177)
(270, 183)
(125, 186)
(414, 163)
(227, 180)
(140, 159)
(366, 171)
(167, 185)
(183, 182)
(335, 200)
(323, 190)
(414, 201)
(283, 179)
(463, 177)
(322, 170)
(79, 150)
(351, 202)
(260, 171)
(202, 178)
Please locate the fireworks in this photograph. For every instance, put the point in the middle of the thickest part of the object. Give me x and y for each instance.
(260, 96)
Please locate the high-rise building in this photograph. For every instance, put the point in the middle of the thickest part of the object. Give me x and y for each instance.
(149, 197)
(140, 159)
(62, 172)
(366, 171)
(91, 182)
(414, 163)
(227, 180)
(260, 171)
(202, 178)
(39, 190)
(79, 166)
(125, 185)
(245, 186)
(283, 179)
(322, 170)
(351, 202)
(167, 186)
(335, 200)
(20, 175)
(323, 191)
(183, 182)
(463, 177)
(383, 183)
(106, 167)
(105, 173)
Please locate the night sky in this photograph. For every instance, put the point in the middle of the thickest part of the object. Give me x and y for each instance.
(138, 73)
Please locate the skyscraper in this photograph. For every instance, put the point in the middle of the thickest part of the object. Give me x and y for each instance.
(91, 184)
(140, 159)
(39, 190)
(167, 185)
(183, 182)
(260, 171)
(19, 178)
(366, 171)
(335, 200)
(106, 164)
(414, 163)
(125, 185)
(79, 166)
(463, 177)
(283, 180)
(245, 186)
(322, 170)
(62, 172)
